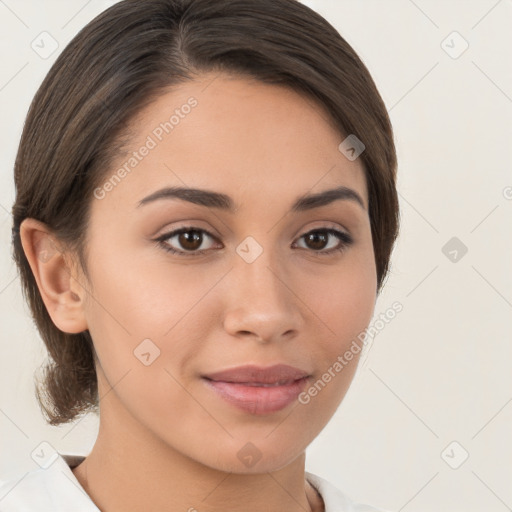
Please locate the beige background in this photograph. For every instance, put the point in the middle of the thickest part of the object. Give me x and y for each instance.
(439, 372)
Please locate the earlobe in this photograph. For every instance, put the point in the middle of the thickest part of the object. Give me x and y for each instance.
(60, 290)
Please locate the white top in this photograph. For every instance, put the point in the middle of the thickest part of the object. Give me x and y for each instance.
(56, 489)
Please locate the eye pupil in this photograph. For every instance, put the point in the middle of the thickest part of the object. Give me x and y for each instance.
(185, 239)
(314, 237)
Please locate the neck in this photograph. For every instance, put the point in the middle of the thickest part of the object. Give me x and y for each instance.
(109, 481)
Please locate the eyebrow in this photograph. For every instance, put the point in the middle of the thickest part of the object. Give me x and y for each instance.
(221, 201)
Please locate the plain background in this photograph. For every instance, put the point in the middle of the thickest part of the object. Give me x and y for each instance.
(439, 372)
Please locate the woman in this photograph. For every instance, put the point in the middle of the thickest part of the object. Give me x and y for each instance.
(205, 211)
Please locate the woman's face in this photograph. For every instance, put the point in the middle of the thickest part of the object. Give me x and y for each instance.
(250, 285)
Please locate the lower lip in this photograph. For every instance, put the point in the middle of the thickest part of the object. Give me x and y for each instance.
(258, 399)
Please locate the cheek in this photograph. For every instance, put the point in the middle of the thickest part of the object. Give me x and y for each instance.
(343, 298)
(342, 309)
(133, 302)
(140, 300)
(134, 312)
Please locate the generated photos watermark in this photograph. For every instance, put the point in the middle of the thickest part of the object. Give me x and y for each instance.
(152, 140)
(342, 361)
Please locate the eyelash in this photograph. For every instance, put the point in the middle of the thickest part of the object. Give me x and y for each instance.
(345, 239)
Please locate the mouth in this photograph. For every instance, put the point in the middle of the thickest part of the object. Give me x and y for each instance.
(278, 374)
(258, 390)
(262, 384)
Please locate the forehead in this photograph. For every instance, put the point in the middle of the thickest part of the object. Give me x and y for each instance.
(240, 136)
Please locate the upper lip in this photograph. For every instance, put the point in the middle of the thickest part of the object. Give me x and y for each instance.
(258, 374)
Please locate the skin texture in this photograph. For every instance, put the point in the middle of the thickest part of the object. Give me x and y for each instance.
(166, 441)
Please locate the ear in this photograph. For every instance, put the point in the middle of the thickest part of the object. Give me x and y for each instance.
(60, 290)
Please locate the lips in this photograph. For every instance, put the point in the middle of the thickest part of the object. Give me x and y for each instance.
(278, 374)
(258, 390)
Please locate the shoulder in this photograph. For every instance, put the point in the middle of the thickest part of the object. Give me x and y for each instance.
(46, 490)
(334, 499)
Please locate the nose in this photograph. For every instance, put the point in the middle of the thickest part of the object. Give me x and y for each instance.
(261, 303)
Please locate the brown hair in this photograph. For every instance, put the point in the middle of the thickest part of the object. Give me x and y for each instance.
(122, 60)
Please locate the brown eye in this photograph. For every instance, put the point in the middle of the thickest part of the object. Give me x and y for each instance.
(318, 239)
(189, 240)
